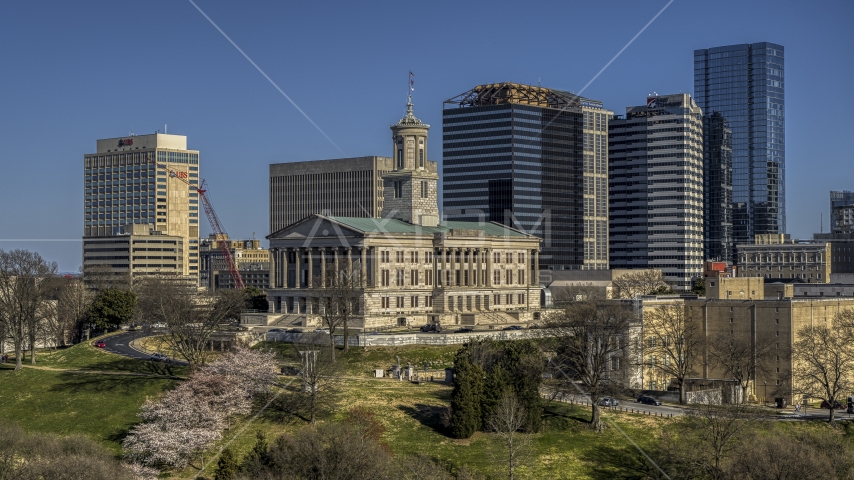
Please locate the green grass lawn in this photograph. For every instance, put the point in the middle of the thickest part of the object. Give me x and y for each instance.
(80, 399)
(74, 399)
(100, 405)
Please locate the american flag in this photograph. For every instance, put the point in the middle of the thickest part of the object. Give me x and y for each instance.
(411, 81)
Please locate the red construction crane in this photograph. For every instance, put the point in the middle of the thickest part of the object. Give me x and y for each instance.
(216, 226)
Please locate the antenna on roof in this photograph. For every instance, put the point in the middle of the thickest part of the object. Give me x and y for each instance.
(164, 128)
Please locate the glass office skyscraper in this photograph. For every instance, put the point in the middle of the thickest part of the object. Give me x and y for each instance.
(535, 159)
(744, 85)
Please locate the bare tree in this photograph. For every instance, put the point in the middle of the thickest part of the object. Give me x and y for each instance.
(706, 443)
(739, 357)
(339, 294)
(591, 345)
(674, 340)
(823, 359)
(190, 318)
(67, 311)
(316, 389)
(24, 284)
(642, 282)
(509, 421)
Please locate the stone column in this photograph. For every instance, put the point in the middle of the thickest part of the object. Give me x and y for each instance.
(323, 267)
(349, 261)
(477, 266)
(471, 267)
(375, 265)
(337, 267)
(536, 279)
(452, 277)
(283, 282)
(274, 252)
(488, 279)
(309, 261)
(363, 280)
(298, 264)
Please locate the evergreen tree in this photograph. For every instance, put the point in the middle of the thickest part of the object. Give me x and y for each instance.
(113, 307)
(258, 457)
(227, 466)
(466, 415)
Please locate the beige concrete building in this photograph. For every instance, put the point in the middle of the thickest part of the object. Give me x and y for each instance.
(412, 268)
(351, 187)
(775, 319)
(136, 250)
(779, 257)
(121, 186)
(252, 262)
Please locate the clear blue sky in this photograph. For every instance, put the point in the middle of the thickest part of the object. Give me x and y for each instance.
(73, 72)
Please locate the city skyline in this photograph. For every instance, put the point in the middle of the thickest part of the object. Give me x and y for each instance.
(243, 124)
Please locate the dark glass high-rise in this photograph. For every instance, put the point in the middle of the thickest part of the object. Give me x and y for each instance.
(744, 84)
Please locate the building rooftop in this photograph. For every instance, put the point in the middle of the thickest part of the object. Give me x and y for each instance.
(383, 225)
(508, 92)
(393, 226)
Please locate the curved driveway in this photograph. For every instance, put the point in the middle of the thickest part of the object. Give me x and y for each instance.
(120, 345)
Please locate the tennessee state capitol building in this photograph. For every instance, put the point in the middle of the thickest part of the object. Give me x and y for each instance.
(411, 268)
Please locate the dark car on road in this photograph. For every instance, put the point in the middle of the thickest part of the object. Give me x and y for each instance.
(431, 328)
(647, 400)
(463, 330)
(836, 405)
(513, 327)
(100, 344)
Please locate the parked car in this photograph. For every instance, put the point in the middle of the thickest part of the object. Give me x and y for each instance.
(158, 325)
(134, 328)
(321, 330)
(294, 330)
(513, 327)
(463, 330)
(647, 400)
(609, 402)
(431, 328)
(159, 357)
(100, 344)
(275, 330)
(837, 405)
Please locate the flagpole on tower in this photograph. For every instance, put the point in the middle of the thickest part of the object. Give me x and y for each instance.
(411, 87)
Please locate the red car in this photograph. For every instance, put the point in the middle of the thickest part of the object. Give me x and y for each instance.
(100, 344)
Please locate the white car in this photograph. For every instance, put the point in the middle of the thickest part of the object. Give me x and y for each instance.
(321, 330)
(159, 357)
(158, 325)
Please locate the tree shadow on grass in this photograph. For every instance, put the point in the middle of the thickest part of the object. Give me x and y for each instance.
(623, 462)
(75, 382)
(561, 416)
(428, 415)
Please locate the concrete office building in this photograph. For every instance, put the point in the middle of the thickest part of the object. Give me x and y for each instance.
(350, 187)
(780, 257)
(409, 269)
(842, 212)
(656, 189)
(750, 309)
(533, 158)
(252, 262)
(135, 250)
(744, 84)
(122, 187)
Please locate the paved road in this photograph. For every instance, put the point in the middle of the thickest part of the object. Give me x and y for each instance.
(629, 406)
(120, 345)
